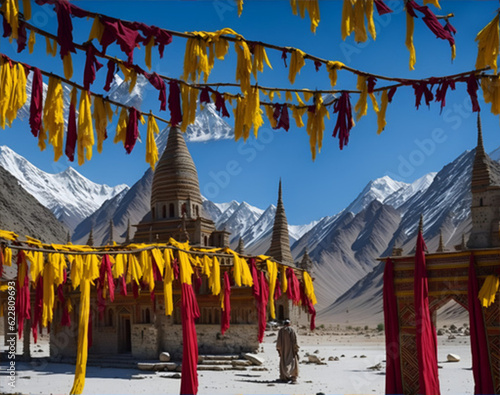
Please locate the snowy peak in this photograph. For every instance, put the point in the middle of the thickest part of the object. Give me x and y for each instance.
(208, 126)
(404, 194)
(120, 91)
(238, 220)
(378, 189)
(70, 196)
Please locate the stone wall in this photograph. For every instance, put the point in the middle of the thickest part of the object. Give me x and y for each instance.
(238, 338)
(104, 340)
(145, 341)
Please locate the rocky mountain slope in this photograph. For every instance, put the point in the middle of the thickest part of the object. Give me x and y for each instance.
(68, 195)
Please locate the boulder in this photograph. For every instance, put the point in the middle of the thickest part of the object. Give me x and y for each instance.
(453, 358)
(170, 366)
(255, 359)
(164, 357)
(314, 359)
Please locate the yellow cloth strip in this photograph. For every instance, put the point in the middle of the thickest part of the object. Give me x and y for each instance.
(31, 41)
(381, 122)
(151, 148)
(487, 45)
(241, 272)
(83, 329)
(296, 63)
(309, 288)
(102, 115)
(48, 294)
(186, 270)
(167, 282)
(85, 129)
(435, 3)
(284, 280)
(491, 92)
(8, 235)
(7, 256)
(410, 24)
(488, 291)
(272, 271)
(10, 9)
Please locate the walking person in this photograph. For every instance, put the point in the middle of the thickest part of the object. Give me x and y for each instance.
(288, 351)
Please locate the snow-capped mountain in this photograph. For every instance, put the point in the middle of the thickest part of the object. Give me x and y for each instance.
(70, 196)
(120, 91)
(237, 220)
(445, 206)
(407, 192)
(209, 125)
(378, 189)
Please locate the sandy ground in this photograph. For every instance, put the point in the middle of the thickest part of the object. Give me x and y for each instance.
(349, 375)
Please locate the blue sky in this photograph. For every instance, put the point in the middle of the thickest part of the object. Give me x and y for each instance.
(414, 142)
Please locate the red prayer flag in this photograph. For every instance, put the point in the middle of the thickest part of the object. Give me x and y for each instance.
(307, 303)
(116, 30)
(205, 95)
(262, 300)
(481, 367)
(472, 87)
(441, 91)
(190, 312)
(393, 375)
(36, 106)
(220, 104)
(382, 7)
(226, 311)
(64, 28)
(21, 39)
(132, 130)
(174, 103)
(123, 285)
(255, 278)
(155, 80)
(110, 75)
(425, 331)
(293, 290)
(431, 21)
(344, 119)
(277, 289)
(91, 66)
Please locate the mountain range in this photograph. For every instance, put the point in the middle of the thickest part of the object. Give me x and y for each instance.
(344, 246)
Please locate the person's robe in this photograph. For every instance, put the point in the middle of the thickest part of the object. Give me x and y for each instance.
(288, 349)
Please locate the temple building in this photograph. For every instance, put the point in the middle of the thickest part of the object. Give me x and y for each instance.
(451, 275)
(176, 205)
(138, 325)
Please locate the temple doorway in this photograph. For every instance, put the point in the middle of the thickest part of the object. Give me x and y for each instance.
(453, 340)
(124, 333)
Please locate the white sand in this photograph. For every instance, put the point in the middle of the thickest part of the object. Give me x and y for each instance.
(349, 375)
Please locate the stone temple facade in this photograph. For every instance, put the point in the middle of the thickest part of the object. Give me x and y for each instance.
(139, 326)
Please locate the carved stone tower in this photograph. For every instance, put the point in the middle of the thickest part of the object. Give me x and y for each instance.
(176, 204)
(485, 207)
(280, 241)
